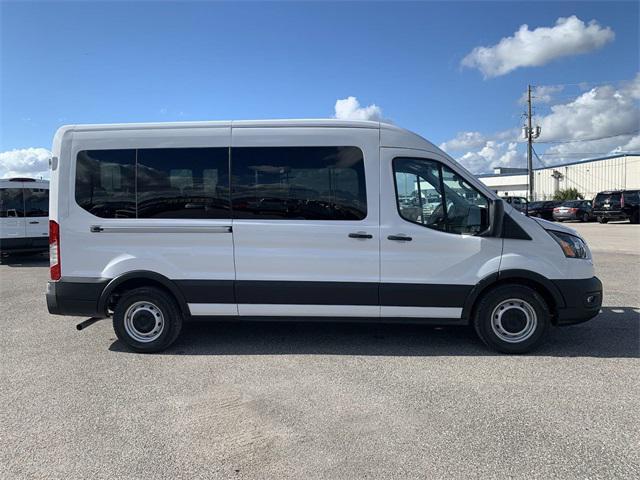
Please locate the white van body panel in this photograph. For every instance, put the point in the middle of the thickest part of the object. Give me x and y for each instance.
(310, 250)
(542, 255)
(13, 225)
(174, 248)
(432, 257)
(18, 227)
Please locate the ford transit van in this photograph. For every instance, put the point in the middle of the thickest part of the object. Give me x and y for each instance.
(157, 224)
(24, 210)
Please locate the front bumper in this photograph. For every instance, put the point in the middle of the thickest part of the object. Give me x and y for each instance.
(583, 299)
(77, 297)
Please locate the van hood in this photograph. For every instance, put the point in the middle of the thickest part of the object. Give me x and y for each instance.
(547, 225)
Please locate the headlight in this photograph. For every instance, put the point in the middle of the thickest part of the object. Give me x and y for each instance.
(572, 246)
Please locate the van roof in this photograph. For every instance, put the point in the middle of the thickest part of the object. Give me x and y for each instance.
(307, 122)
(391, 135)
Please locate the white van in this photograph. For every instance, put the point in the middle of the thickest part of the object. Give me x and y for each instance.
(155, 224)
(24, 211)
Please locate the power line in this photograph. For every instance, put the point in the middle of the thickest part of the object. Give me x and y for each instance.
(592, 139)
(559, 154)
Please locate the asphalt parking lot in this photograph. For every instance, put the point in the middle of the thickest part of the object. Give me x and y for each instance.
(322, 400)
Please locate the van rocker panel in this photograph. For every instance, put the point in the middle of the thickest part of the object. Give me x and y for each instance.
(576, 300)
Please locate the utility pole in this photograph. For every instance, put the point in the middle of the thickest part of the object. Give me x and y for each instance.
(530, 134)
(529, 144)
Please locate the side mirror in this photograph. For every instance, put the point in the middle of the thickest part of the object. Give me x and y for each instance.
(496, 214)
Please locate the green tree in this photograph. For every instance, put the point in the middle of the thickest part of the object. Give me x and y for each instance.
(568, 194)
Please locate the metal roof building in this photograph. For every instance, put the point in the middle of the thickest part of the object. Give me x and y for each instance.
(590, 176)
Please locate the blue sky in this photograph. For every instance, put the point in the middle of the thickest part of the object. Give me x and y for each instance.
(102, 62)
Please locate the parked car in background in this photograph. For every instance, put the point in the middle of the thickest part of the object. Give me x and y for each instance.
(617, 205)
(573, 210)
(24, 215)
(543, 209)
(519, 203)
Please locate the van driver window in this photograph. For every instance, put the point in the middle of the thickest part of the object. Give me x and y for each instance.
(433, 195)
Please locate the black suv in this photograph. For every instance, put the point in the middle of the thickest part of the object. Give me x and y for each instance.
(617, 205)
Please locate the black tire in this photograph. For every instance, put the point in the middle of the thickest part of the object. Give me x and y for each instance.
(585, 218)
(635, 217)
(525, 299)
(158, 317)
(602, 220)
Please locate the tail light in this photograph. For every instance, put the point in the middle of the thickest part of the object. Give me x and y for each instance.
(573, 210)
(54, 250)
(557, 209)
(622, 200)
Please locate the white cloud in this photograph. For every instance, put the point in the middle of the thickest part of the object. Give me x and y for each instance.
(25, 162)
(579, 124)
(464, 141)
(349, 109)
(542, 94)
(493, 154)
(605, 111)
(533, 48)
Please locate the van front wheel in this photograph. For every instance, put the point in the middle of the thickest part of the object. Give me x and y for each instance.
(512, 319)
(147, 319)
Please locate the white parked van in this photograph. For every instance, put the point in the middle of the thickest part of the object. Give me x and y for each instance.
(155, 224)
(24, 211)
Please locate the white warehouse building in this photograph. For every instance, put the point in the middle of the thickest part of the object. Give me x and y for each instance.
(615, 172)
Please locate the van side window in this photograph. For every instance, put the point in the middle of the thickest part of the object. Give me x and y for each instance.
(298, 183)
(433, 195)
(36, 202)
(183, 183)
(105, 182)
(11, 202)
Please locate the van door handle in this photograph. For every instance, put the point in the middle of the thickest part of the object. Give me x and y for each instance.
(360, 235)
(33, 223)
(400, 238)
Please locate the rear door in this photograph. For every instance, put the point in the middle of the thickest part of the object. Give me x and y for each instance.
(430, 255)
(36, 205)
(153, 200)
(305, 224)
(12, 222)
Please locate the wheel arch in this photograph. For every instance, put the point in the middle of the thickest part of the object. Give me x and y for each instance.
(141, 278)
(545, 287)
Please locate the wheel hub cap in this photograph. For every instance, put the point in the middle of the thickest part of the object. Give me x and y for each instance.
(144, 322)
(514, 320)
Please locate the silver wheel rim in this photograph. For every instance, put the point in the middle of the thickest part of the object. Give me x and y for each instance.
(156, 322)
(526, 314)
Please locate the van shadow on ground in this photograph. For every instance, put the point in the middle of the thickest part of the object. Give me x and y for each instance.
(25, 260)
(615, 333)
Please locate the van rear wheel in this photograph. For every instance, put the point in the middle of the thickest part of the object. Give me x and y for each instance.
(512, 319)
(147, 319)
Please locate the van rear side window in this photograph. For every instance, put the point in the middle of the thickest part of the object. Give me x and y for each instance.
(298, 183)
(154, 183)
(105, 182)
(11, 202)
(36, 202)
